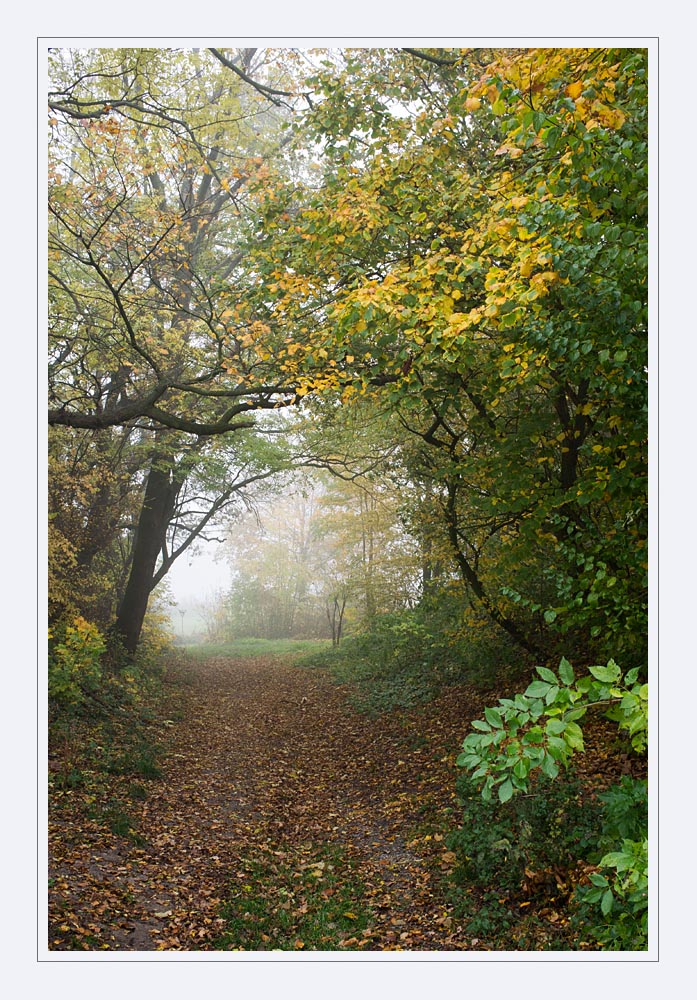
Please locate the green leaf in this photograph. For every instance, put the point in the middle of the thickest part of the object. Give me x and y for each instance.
(549, 767)
(552, 694)
(505, 791)
(606, 902)
(575, 713)
(493, 717)
(608, 675)
(538, 689)
(557, 747)
(534, 735)
(555, 726)
(481, 725)
(550, 616)
(574, 736)
(546, 674)
(522, 768)
(620, 860)
(566, 672)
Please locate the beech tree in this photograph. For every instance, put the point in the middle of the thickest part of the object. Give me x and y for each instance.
(477, 245)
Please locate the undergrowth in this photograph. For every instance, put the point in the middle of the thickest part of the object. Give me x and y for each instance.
(105, 738)
(527, 868)
(407, 658)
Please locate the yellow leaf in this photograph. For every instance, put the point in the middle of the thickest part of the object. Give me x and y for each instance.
(611, 117)
(513, 151)
(574, 90)
(473, 104)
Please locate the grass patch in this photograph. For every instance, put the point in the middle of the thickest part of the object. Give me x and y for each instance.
(309, 901)
(139, 758)
(241, 648)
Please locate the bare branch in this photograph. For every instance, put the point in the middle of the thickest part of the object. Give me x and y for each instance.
(268, 92)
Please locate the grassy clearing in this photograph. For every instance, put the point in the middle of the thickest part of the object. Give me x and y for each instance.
(241, 648)
(310, 900)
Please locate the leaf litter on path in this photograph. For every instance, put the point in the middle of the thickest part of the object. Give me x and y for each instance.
(282, 820)
(266, 760)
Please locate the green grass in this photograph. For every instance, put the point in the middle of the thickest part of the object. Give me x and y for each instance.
(310, 901)
(240, 648)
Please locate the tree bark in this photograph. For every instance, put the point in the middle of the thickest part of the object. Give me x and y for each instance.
(155, 514)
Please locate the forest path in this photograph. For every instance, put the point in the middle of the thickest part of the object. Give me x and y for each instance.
(317, 822)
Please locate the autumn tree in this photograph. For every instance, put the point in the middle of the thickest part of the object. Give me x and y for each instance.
(466, 238)
(146, 279)
(477, 246)
(274, 592)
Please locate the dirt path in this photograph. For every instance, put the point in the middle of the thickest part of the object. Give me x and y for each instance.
(269, 770)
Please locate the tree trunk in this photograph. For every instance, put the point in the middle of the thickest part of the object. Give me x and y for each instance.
(470, 577)
(154, 517)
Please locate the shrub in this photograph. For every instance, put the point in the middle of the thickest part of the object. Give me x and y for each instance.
(613, 909)
(74, 667)
(535, 734)
(408, 656)
(497, 842)
(625, 812)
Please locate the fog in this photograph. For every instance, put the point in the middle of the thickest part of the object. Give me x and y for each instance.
(193, 579)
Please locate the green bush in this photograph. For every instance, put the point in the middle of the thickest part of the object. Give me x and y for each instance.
(74, 663)
(538, 730)
(625, 813)
(613, 909)
(407, 657)
(550, 826)
(535, 734)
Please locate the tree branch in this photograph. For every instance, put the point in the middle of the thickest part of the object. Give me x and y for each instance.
(432, 59)
(268, 92)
